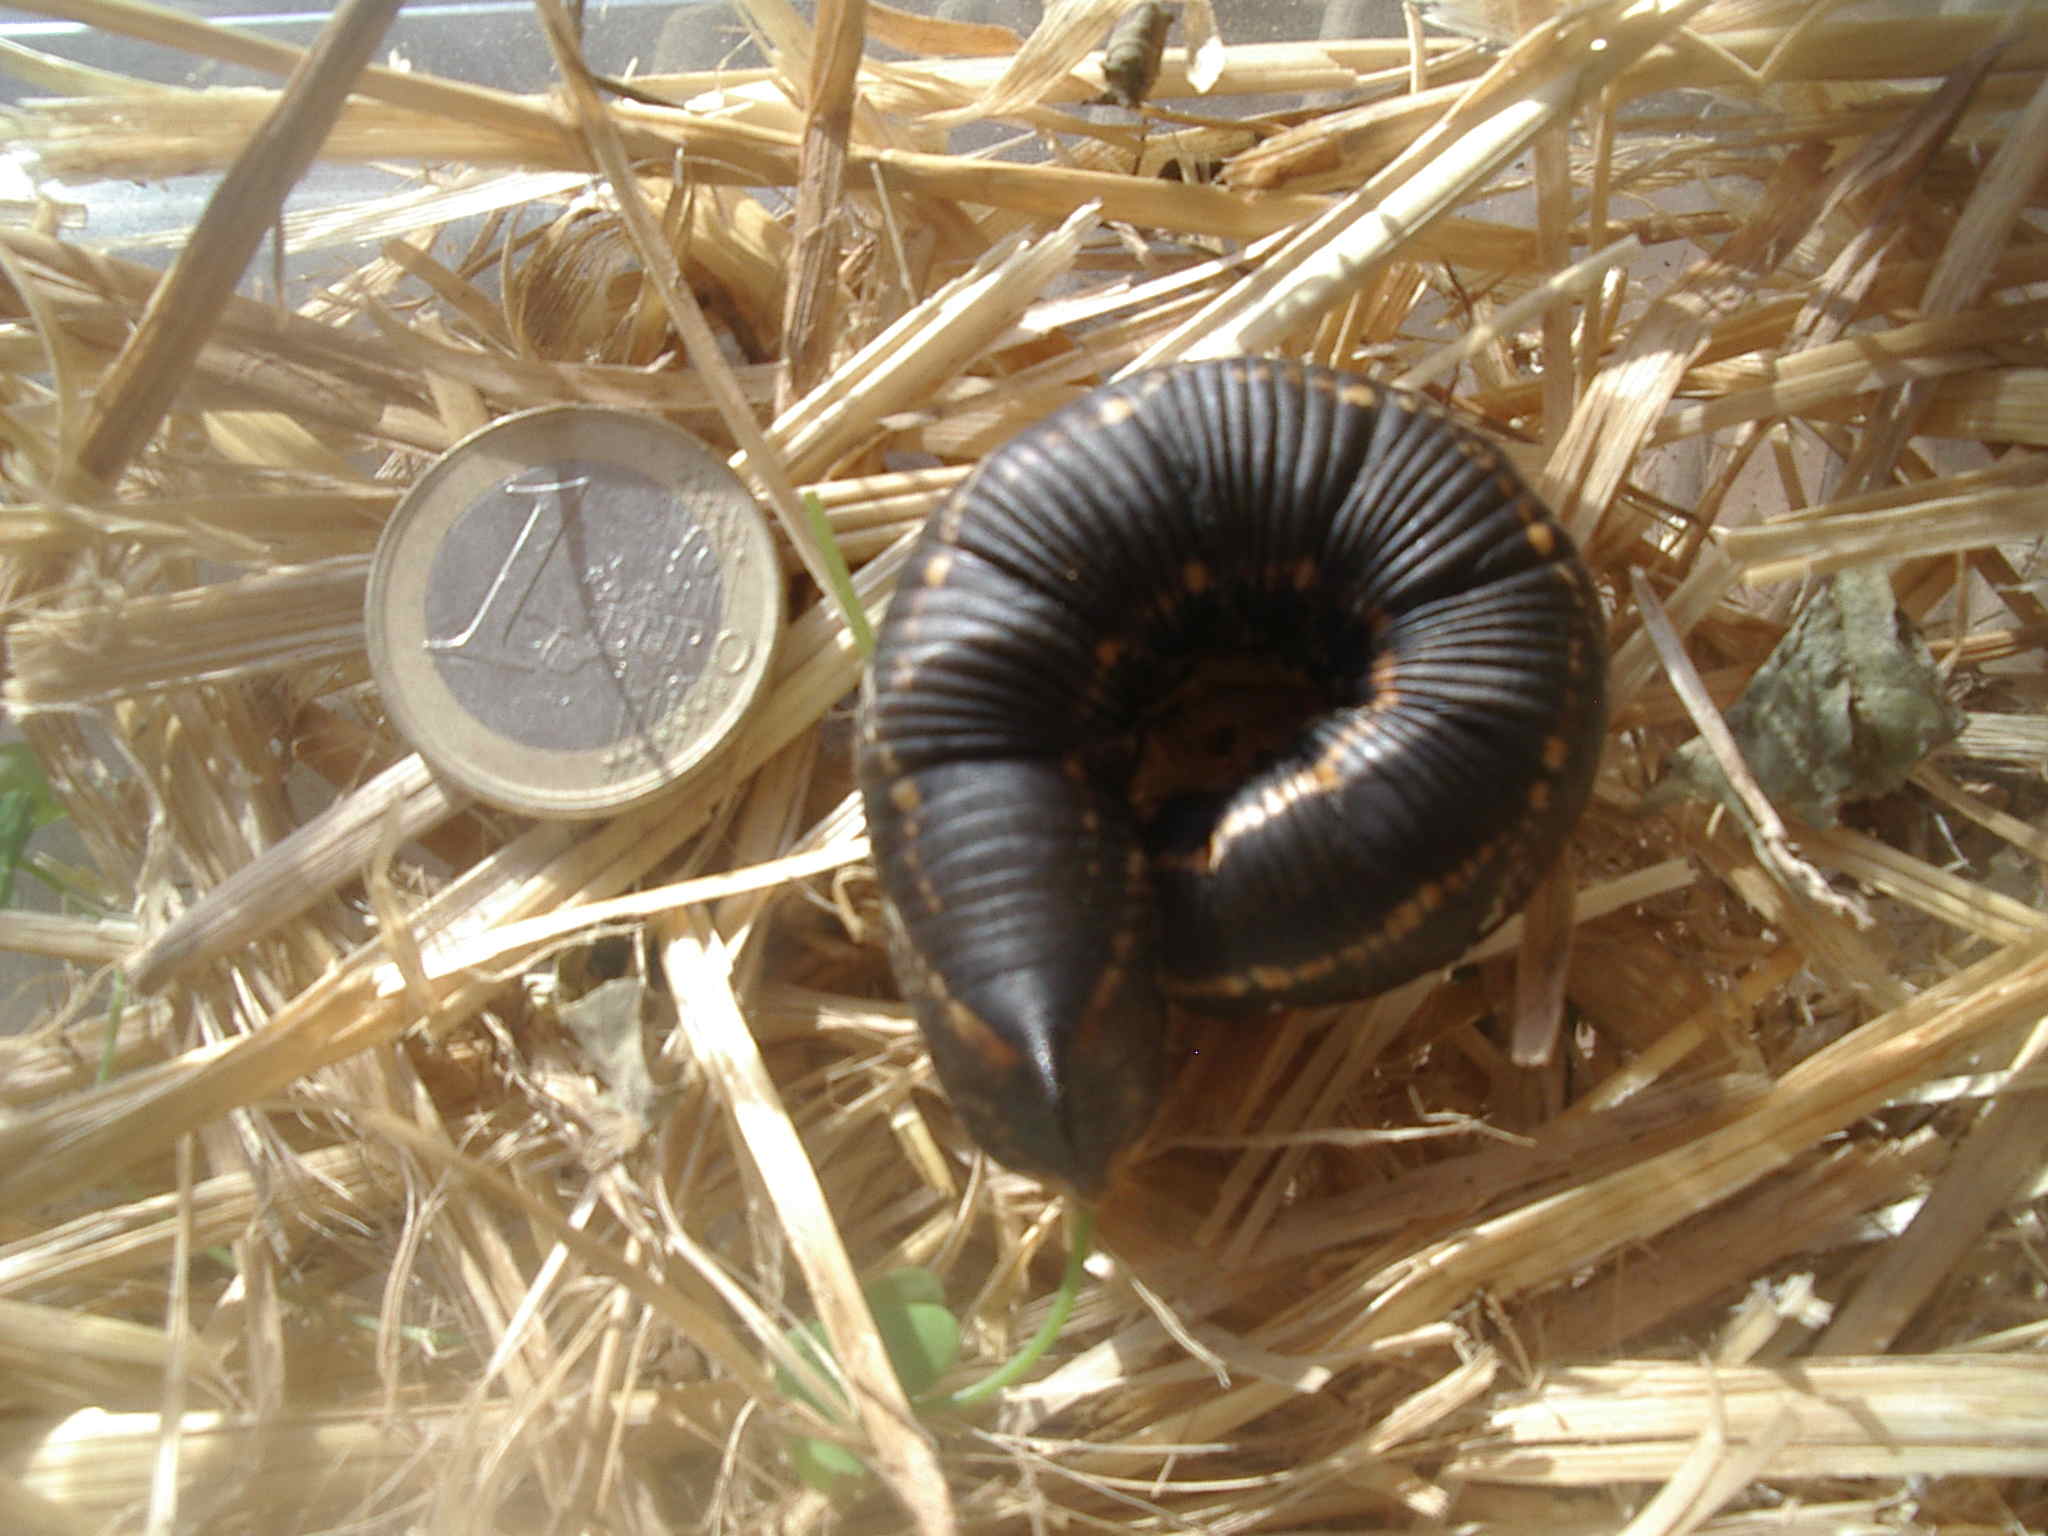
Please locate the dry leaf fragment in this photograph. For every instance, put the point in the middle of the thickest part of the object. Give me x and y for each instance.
(1130, 59)
(1842, 710)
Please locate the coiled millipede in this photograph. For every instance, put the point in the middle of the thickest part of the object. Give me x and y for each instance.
(1234, 683)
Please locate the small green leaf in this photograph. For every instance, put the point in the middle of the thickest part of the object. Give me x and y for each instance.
(26, 803)
(923, 1340)
(17, 823)
(903, 1287)
(808, 1340)
(22, 773)
(919, 1332)
(828, 1466)
(836, 572)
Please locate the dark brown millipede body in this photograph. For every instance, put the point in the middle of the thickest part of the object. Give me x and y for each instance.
(1348, 549)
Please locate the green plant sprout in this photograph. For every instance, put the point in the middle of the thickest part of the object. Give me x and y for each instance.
(842, 579)
(1063, 1299)
(922, 1337)
(27, 805)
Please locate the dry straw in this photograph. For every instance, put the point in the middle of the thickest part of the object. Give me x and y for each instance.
(371, 1160)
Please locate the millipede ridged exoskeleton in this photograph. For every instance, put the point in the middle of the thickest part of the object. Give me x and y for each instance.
(1235, 683)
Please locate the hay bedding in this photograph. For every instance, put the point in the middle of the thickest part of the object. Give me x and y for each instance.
(336, 1195)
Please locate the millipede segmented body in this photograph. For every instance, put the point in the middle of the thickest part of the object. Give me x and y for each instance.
(1339, 573)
